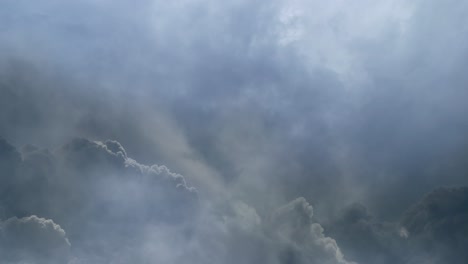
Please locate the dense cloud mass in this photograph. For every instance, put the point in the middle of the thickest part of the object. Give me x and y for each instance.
(96, 193)
(115, 210)
(437, 226)
(33, 240)
(358, 108)
(293, 223)
(433, 230)
(365, 239)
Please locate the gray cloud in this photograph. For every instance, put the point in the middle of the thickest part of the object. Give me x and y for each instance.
(103, 199)
(293, 223)
(33, 240)
(286, 235)
(432, 230)
(437, 226)
(366, 239)
(115, 209)
(255, 101)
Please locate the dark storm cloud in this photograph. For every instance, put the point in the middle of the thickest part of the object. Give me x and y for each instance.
(433, 230)
(366, 239)
(437, 226)
(293, 223)
(94, 191)
(113, 209)
(255, 101)
(80, 169)
(288, 234)
(33, 240)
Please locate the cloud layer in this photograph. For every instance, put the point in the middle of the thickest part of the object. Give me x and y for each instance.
(33, 240)
(111, 209)
(256, 103)
(116, 210)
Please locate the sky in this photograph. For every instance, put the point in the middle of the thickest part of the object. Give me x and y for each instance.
(201, 131)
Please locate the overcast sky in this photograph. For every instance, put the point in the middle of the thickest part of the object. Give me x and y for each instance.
(283, 132)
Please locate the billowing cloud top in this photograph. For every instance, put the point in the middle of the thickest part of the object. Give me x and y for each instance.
(33, 240)
(114, 209)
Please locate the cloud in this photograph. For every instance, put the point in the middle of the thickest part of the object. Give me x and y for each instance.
(208, 88)
(288, 234)
(437, 226)
(431, 231)
(95, 192)
(293, 225)
(33, 240)
(257, 101)
(366, 239)
(116, 209)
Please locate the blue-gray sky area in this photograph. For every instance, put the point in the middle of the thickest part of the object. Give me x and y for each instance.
(202, 131)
